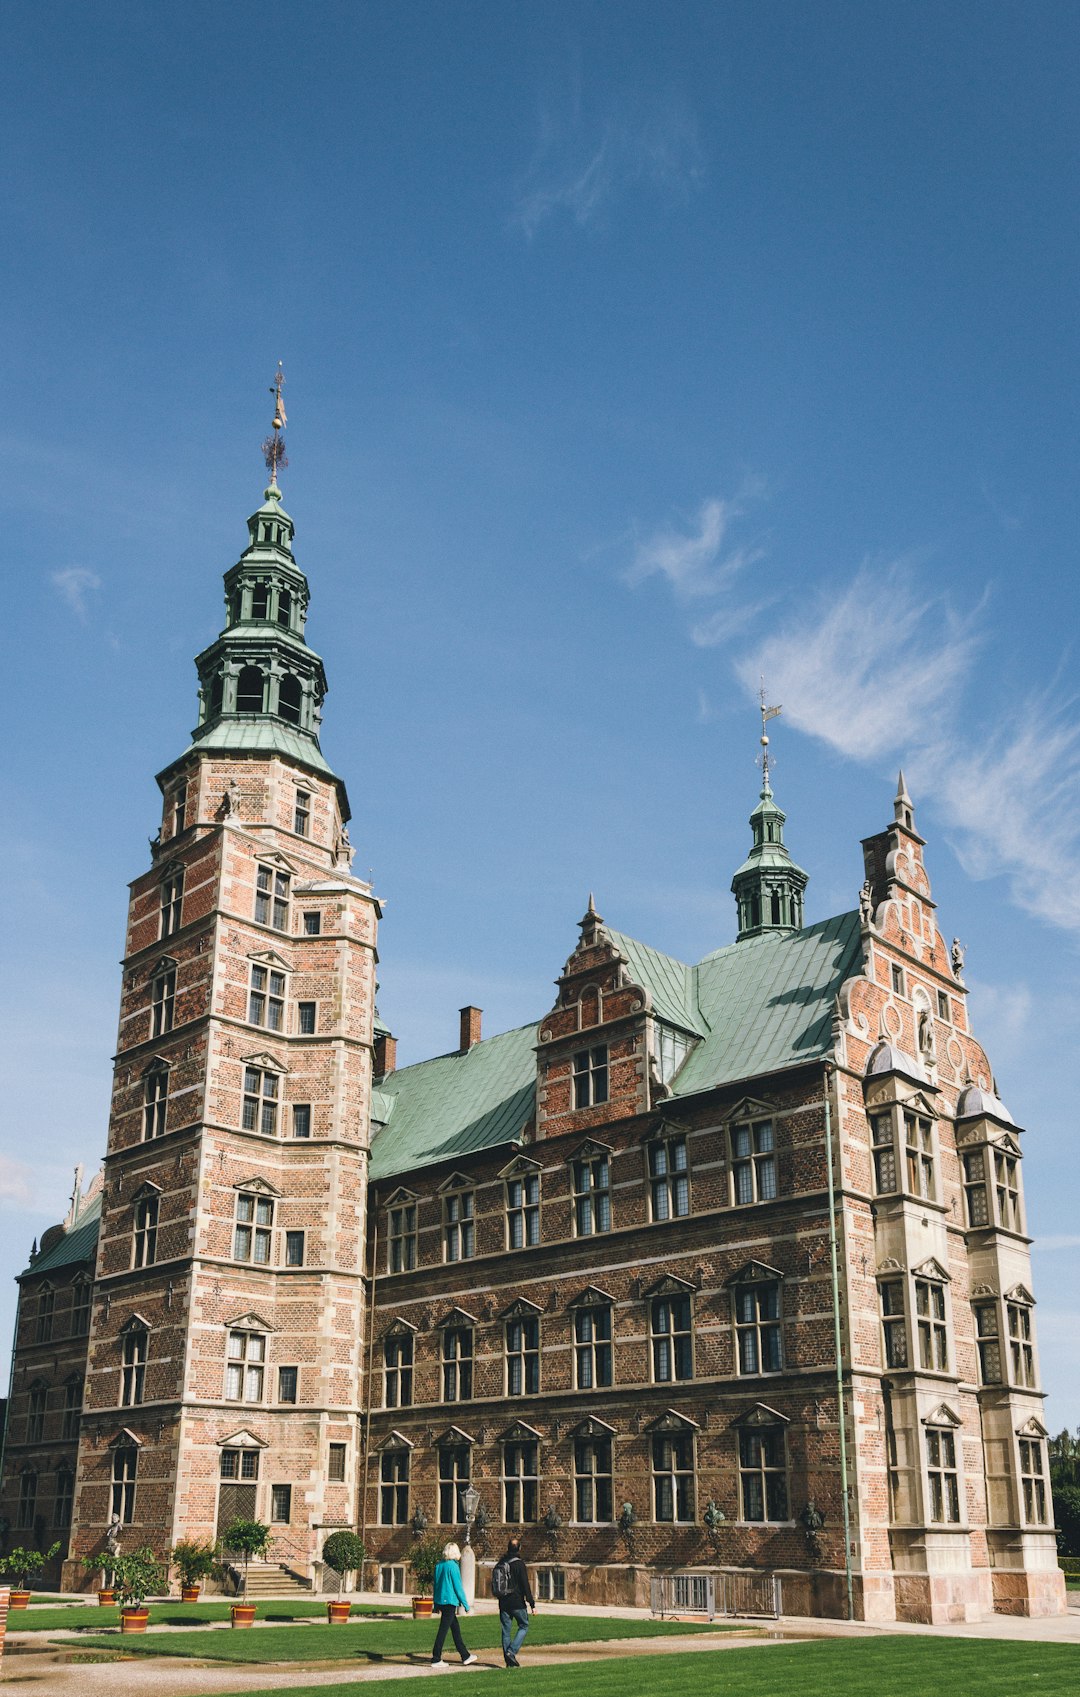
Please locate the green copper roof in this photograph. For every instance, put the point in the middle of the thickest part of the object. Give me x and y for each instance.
(261, 736)
(78, 1244)
(670, 983)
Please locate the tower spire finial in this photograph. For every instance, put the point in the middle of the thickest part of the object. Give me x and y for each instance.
(274, 446)
(767, 713)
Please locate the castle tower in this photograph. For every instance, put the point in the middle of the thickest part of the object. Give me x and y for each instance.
(225, 1350)
(768, 887)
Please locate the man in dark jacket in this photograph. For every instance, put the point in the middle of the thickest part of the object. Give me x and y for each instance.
(512, 1601)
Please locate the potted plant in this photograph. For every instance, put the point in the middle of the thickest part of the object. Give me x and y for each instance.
(137, 1574)
(194, 1559)
(344, 1552)
(24, 1565)
(247, 1538)
(101, 1562)
(425, 1554)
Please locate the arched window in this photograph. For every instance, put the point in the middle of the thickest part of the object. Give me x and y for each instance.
(260, 600)
(249, 690)
(289, 698)
(284, 607)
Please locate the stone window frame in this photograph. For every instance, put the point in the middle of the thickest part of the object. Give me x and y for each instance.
(273, 893)
(63, 1498)
(990, 1154)
(917, 1324)
(673, 1478)
(522, 1191)
(145, 1218)
(45, 1316)
(676, 1340)
(593, 1435)
(82, 1302)
(402, 1213)
(520, 1445)
(281, 1504)
(295, 1240)
(300, 1119)
(395, 1481)
(1018, 1339)
(590, 1076)
(302, 812)
(337, 1462)
(288, 1384)
(986, 1313)
(74, 1392)
(913, 1164)
(255, 1212)
(594, 1349)
(124, 1476)
(755, 1277)
(667, 1168)
(307, 1017)
(756, 1430)
(178, 807)
(457, 1366)
(751, 1136)
(247, 1364)
(1035, 1501)
(398, 1363)
(134, 1341)
(26, 1508)
(171, 901)
(522, 1348)
(163, 997)
(592, 1211)
(260, 1102)
(155, 1099)
(943, 1468)
(451, 1481)
(268, 985)
(37, 1403)
(458, 1198)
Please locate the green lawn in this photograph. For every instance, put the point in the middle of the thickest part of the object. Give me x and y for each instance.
(93, 1617)
(877, 1667)
(377, 1640)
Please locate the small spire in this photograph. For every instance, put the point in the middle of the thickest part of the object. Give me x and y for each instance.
(903, 811)
(274, 446)
(767, 713)
(901, 788)
(591, 923)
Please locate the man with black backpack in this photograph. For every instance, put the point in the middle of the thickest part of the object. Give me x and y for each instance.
(511, 1589)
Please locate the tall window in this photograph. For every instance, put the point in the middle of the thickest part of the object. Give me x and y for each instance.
(35, 1414)
(253, 1230)
(1021, 1352)
(591, 1076)
(239, 1464)
(280, 1504)
(930, 1326)
(884, 1147)
(81, 1298)
(919, 1144)
(757, 1327)
(133, 1369)
(897, 974)
(301, 1119)
(179, 807)
(266, 998)
(763, 1473)
(942, 1475)
(73, 1397)
(155, 1102)
(46, 1308)
(394, 1487)
(520, 1482)
(397, 1370)
(523, 1355)
(260, 1101)
(336, 1460)
(523, 1211)
(302, 812)
(172, 901)
(975, 1187)
(672, 1343)
(63, 1498)
(1007, 1190)
(312, 923)
(1033, 1481)
(459, 1233)
(893, 1323)
(245, 1367)
(125, 1466)
(753, 1162)
(294, 1249)
(673, 1476)
(987, 1336)
(592, 1195)
(669, 1179)
(592, 1481)
(307, 1018)
(144, 1246)
(457, 1364)
(163, 1004)
(592, 1347)
(455, 1471)
(24, 1517)
(272, 898)
(401, 1236)
(288, 1384)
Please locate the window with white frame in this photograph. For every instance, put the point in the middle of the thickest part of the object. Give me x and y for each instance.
(272, 897)
(757, 1326)
(401, 1237)
(974, 1165)
(523, 1355)
(63, 1498)
(302, 813)
(294, 1248)
(239, 1464)
(672, 1338)
(523, 1210)
(593, 1365)
(592, 1194)
(307, 1018)
(261, 1092)
(669, 1178)
(125, 1467)
(883, 1142)
(337, 1459)
(551, 1584)
(301, 1119)
(672, 1459)
(155, 1102)
(919, 1151)
(253, 1230)
(144, 1239)
(172, 901)
(82, 1295)
(753, 1162)
(930, 1326)
(591, 1076)
(988, 1339)
(763, 1485)
(459, 1230)
(35, 1413)
(245, 1367)
(280, 1504)
(942, 1476)
(1021, 1347)
(163, 1002)
(397, 1370)
(180, 795)
(1033, 1481)
(455, 1473)
(520, 1482)
(288, 1384)
(593, 1493)
(133, 1367)
(394, 1487)
(46, 1309)
(266, 997)
(893, 1323)
(1007, 1190)
(73, 1401)
(457, 1363)
(25, 1513)
(312, 922)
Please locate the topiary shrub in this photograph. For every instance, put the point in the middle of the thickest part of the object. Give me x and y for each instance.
(344, 1552)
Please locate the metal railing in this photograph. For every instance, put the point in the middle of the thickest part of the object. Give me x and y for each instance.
(758, 1595)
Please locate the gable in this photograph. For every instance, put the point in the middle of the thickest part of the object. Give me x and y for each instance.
(261, 1186)
(267, 1062)
(672, 1421)
(754, 1272)
(242, 1440)
(250, 1322)
(760, 1414)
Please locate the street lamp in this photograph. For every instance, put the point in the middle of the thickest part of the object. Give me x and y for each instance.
(470, 1502)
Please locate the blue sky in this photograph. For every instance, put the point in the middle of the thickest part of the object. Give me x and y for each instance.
(631, 350)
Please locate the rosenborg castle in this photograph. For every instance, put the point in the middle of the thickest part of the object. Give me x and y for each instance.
(716, 1266)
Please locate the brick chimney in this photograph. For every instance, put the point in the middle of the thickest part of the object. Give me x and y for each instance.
(385, 1054)
(470, 1027)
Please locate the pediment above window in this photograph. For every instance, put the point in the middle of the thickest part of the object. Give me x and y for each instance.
(672, 1421)
(242, 1440)
(670, 1285)
(1020, 1293)
(453, 1435)
(250, 1322)
(982, 1291)
(661, 1129)
(590, 1150)
(135, 1323)
(1007, 1144)
(267, 1062)
(401, 1195)
(519, 1165)
(754, 1272)
(1032, 1428)
(399, 1328)
(457, 1181)
(591, 1427)
(270, 957)
(591, 1297)
(146, 1189)
(931, 1268)
(258, 1186)
(167, 963)
(273, 857)
(942, 1415)
(888, 1267)
(760, 1414)
(920, 1103)
(156, 1063)
(748, 1108)
(521, 1309)
(395, 1441)
(519, 1433)
(456, 1317)
(125, 1439)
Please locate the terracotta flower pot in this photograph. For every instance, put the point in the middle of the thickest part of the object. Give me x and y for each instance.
(243, 1614)
(421, 1607)
(106, 1597)
(134, 1619)
(18, 1599)
(190, 1593)
(337, 1613)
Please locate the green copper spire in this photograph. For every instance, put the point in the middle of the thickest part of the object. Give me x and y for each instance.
(768, 887)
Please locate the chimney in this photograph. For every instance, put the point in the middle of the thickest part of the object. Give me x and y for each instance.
(385, 1054)
(470, 1027)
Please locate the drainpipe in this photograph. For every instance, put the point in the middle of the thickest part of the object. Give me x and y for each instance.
(374, 1240)
(837, 1342)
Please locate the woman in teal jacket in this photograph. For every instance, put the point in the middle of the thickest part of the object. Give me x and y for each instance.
(448, 1595)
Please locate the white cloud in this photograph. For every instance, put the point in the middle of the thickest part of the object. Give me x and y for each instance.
(74, 584)
(15, 1182)
(693, 559)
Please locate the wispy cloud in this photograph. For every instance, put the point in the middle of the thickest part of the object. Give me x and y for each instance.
(74, 585)
(16, 1188)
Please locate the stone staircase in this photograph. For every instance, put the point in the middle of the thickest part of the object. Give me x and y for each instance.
(272, 1579)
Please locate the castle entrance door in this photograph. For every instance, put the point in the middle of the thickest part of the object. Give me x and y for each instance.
(235, 1502)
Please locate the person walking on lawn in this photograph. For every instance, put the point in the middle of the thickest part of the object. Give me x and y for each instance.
(448, 1595)
(510, 1584)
